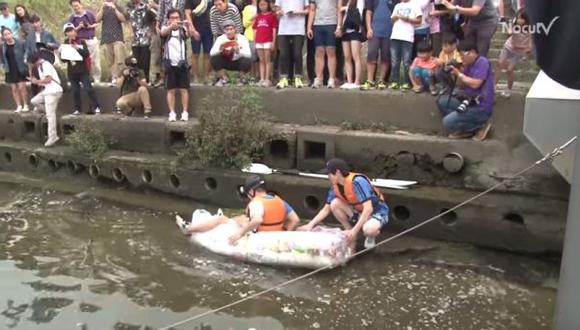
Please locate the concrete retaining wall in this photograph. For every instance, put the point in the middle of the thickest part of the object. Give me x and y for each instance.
(516, 223)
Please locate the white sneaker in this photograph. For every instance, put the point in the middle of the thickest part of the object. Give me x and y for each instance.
(113, 83)
(221, 83)
(172, 116)
(506, 94)
(370, 242)
(18, 109)
(184, 116)
(50, 142)
(346, 85)
(331, 83)
(25, 108)
(317, 83)
(76, 113)
(181, 224)
(354, 86)
(97, 111)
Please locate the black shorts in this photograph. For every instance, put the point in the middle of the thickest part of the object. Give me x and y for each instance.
(15, 77)
(177, 77)
(352, 36)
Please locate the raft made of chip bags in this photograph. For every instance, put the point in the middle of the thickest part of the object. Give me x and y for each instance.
(315, 249)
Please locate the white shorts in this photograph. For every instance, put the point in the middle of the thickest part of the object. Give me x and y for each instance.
(264, 45)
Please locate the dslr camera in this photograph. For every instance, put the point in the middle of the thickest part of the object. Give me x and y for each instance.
(448, 67)
(131, 63)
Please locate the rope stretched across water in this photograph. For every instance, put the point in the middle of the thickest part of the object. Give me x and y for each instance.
(548, 157)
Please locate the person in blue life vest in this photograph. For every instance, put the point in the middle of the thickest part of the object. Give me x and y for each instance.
(354, 202)
(266, 211)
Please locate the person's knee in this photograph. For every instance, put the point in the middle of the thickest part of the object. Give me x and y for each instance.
(449, 122)
(331, 52)
(319, 51)
(372, 228)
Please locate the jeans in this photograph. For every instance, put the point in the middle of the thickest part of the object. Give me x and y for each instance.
(400, 51)
(424, 74)
(48, 102)
(291, 54)
(469, 121)
(75, 81)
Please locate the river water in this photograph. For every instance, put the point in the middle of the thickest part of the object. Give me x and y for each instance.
(80, 262)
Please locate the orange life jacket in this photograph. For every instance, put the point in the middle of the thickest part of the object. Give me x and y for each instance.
(274, 213)
(349, 196)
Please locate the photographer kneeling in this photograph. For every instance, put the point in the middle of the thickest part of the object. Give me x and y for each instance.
(466, 113)
(134, 93)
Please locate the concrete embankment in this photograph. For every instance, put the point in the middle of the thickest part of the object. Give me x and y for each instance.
(526, 215)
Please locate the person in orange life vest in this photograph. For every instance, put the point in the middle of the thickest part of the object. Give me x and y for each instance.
(354, 202)
(265, 212)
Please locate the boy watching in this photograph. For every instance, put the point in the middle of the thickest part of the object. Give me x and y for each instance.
(406, 15)
(379, 29)
(449, 56)
(422, 72)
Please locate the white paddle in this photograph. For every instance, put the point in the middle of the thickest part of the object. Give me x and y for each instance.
(258, 168)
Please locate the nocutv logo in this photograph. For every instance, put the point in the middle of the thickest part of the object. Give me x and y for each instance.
(538, 28)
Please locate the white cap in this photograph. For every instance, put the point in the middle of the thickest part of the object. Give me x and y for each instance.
(66, 26)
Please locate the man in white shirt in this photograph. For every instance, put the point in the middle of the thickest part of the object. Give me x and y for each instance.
(48, 98)
(231, 51)
(176, 33)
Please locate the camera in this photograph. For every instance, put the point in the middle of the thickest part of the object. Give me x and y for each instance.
(467, 101)
(131, 63)
(448, 67)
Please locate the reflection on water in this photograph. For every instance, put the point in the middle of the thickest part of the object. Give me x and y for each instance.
(77, 262)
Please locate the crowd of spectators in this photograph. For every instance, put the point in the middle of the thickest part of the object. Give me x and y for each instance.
(412, 45)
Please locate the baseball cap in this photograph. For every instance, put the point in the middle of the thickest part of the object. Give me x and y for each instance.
(335, 164)
(228, 22)
(252, 182)
(67, 27)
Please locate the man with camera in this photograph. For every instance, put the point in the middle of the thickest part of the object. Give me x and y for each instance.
(175, 34)
(466, 113)
(134, 93)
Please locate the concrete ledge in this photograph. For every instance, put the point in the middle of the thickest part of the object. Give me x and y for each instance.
(393, 109)
(506, 221)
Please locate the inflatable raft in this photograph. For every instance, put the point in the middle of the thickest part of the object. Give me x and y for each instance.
(315, 249)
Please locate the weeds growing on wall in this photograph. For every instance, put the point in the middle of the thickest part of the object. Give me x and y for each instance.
(89, 139)
(232, 130)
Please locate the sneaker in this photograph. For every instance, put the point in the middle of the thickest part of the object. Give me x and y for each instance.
(18, 109)
(433, 90)
(405, 87)
(172, 116)
(196, 83)
(221, 83)
(157, 83)
(346, 85)
(97, 111)
(331, 83)
(381, 85)
(370, 242)
(298, 83)
(317, 83)
(118, 111)
(367, 86)
(460, 135)
(283, 83)
(184, 116)
(52, 142)
(394, 85)
(481, 134)
(113, 83)
(147, 116)
(25, 108)
(181, 224)
(505, 94)
(76, 113)
(418, 89)
(353, 86)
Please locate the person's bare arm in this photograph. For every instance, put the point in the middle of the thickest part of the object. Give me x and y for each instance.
(363, 218)
(322, 214)
(99, 16)
(311, 16)
(471, 11)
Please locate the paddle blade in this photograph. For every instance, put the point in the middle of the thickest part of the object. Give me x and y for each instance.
(393, 182)
(258, 168)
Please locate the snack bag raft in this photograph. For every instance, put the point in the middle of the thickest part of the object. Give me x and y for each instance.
(320, 248)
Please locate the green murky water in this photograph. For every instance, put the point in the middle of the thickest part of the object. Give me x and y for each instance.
(83, 263)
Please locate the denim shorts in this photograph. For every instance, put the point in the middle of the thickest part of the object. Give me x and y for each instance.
(383, 219)
(324, 35)
(206, 41)
(509, 56)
